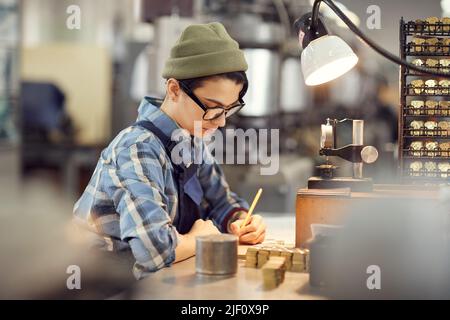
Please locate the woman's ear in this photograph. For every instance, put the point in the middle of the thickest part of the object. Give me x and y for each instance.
(173, 89)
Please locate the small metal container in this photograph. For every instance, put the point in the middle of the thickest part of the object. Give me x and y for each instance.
(216, 254)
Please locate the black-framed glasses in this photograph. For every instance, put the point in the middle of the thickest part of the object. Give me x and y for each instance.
(213, 113)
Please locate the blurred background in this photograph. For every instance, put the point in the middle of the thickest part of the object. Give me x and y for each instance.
(66, 92)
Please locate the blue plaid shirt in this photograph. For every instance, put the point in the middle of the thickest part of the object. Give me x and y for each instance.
(131, 200)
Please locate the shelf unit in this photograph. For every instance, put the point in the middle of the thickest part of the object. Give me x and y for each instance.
(424, 156)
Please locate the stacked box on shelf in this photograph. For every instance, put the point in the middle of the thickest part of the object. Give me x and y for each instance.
(424, 122)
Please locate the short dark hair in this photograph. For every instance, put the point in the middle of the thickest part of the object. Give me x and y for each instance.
(239, 77)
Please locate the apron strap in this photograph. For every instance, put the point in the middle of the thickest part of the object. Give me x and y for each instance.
(166, 141)
(190, 192)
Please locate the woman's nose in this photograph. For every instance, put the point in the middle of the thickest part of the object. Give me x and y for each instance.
(221, 121)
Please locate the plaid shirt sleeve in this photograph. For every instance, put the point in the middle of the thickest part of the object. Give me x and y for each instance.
(223, 203)
(140, 200)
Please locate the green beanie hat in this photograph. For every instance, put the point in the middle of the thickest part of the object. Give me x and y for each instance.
(204, 50)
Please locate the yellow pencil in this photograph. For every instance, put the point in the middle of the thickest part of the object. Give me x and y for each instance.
(252, 207)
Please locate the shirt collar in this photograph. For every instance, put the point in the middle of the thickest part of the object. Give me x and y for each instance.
(149, 110)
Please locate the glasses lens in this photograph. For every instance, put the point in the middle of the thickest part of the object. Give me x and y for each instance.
(216, 113)
(212, 114)
(234, 110)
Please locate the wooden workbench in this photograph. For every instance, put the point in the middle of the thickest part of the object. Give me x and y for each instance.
(181, 282)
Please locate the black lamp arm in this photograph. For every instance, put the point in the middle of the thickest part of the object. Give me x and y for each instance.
(370, 43)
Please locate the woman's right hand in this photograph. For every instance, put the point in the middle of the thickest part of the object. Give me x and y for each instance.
(186, 245)
(203, 228)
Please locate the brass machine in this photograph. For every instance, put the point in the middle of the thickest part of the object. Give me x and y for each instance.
(356, 153)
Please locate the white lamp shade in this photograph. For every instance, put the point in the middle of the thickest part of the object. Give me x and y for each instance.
(325, 59)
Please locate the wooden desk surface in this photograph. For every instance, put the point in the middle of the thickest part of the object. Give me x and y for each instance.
(181, 282)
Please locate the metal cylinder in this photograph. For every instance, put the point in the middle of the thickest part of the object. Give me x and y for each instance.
(358, 139)
(358, 132)
(327, 139)
(264, 68)
(358, 170)
(216, 254)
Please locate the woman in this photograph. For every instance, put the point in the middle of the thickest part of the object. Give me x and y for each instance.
(139, 198)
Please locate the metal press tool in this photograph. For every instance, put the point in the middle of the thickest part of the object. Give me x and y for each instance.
(356, 153)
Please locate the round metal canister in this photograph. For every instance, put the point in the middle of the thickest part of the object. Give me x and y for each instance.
(216, 254)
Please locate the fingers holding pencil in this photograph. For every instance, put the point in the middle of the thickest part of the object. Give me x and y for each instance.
(250, 229)
(254, 232)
